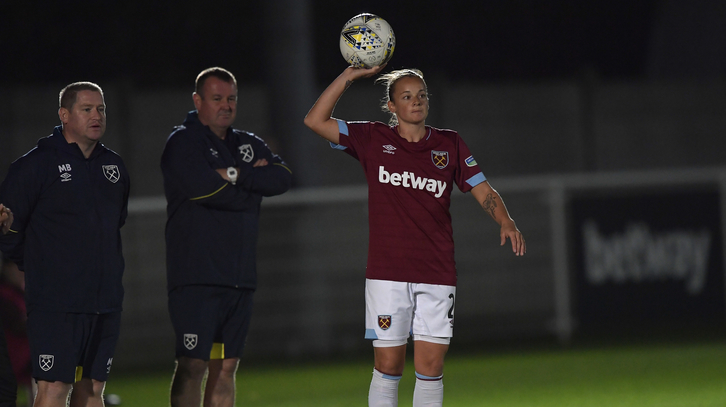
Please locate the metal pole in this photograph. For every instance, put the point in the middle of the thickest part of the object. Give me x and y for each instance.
(558, 219)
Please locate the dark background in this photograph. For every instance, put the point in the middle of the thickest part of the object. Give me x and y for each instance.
(165, 43)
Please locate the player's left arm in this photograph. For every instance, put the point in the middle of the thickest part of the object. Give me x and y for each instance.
(492, 203)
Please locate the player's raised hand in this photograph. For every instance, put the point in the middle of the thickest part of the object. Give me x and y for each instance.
(510, 231)
(6, 218)
(352, 73)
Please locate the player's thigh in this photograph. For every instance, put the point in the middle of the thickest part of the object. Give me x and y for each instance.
(389, 309)
(434, 310)
(194, 314)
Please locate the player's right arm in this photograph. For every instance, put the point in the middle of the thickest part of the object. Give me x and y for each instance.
(319, 119)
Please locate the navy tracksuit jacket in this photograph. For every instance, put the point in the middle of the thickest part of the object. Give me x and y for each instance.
(212, 226)
(68, 211)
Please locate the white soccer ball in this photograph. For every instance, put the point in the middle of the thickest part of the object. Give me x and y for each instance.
(367, 41)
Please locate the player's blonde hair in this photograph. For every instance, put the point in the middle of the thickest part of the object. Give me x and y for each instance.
(389, 81)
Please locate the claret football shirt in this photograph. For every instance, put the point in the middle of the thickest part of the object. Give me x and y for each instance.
(409, 193)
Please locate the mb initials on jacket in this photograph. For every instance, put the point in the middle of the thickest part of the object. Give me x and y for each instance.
(65, 169)
(410, 180)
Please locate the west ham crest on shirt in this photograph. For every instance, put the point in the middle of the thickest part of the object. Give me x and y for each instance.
(112, 173)
(247, 153)
(440, 158)
(384, 321)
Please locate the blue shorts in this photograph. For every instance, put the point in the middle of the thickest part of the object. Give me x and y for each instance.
(210, 322)
(69, 346)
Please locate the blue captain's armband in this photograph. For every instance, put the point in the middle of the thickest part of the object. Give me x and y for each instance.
(476, 180)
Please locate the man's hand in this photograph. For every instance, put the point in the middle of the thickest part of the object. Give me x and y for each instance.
(223, 171)
(6, 219)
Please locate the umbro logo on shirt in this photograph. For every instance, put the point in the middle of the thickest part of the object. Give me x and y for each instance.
(389, 149)
(65, 170)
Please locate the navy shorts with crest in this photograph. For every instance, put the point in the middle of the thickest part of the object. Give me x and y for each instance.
(210, 322)
(69, 346)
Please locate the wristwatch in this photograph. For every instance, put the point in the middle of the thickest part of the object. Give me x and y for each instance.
(232, 174)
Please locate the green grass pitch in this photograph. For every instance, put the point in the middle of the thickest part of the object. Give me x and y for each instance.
(680, 375)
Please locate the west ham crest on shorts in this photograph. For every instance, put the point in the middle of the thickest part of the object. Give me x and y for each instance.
(46, 362)
(440, 158)
(112, 173)
(384, 321)
(190, 341)
(247, 153)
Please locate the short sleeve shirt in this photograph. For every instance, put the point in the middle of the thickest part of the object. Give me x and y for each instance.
(409, 194)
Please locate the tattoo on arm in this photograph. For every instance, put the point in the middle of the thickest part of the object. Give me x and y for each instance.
(489, 205)
(348, 83)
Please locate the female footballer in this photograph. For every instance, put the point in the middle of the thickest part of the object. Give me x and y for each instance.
(411, 169)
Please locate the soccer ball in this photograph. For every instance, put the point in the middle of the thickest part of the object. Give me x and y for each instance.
(367, 41)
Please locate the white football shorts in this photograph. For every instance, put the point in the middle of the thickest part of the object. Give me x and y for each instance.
(395, 310)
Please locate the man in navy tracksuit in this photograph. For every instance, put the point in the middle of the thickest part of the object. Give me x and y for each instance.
(214, 179)
(69, 198)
